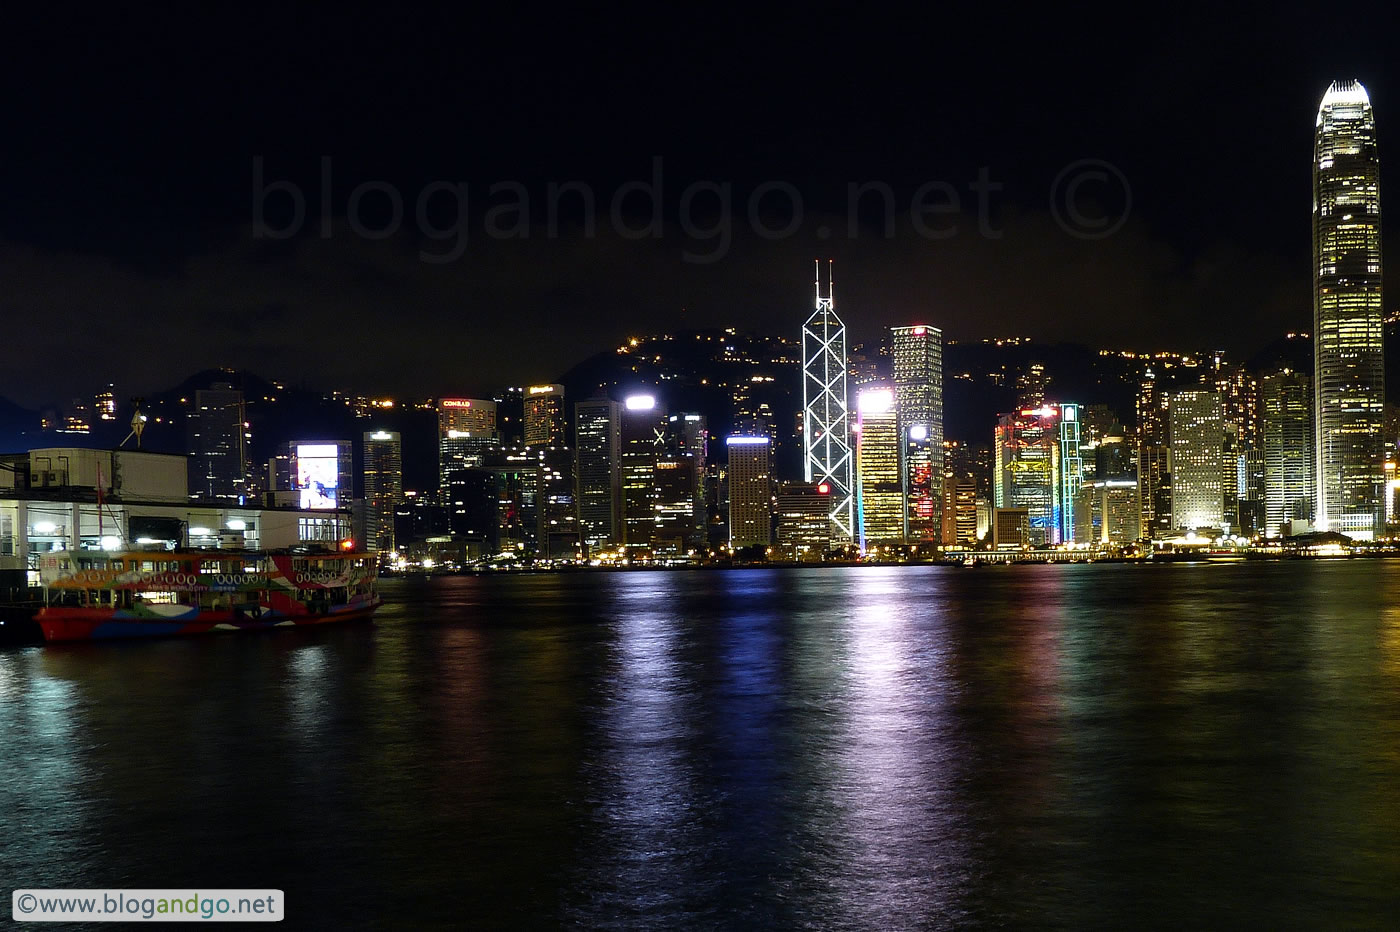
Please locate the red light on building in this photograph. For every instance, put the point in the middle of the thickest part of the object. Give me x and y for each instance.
(919, 331)
(347, 544)
(824, 488)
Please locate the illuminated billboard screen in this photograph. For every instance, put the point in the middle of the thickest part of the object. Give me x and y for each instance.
(318, 474)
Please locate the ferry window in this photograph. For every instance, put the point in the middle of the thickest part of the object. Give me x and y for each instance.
(118, 565)
(148, 566)
(209, 566)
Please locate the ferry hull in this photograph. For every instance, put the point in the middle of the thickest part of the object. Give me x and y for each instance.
(85, 624)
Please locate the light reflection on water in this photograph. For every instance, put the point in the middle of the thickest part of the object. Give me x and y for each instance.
(1099, 746)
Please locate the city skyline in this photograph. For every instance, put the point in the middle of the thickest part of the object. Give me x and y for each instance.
(871, 428)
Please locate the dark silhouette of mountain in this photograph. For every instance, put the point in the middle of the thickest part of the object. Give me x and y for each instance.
(1294, 352)
(697, 370)
(17, 426)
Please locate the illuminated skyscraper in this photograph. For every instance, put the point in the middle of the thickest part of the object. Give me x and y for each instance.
(918, 398)
(597, 470)
(959, 512)
(1038, 468)
(1289, 483)
(1070, 475)
(104, 403)
(750, 491)
(1031, 386)
(688, 436)
(826, 420)
(1239, 409)
(556, 502)
(544, 415)
(879, 487)
(804, 520)
(466, 433)
(1106, 512)
(1154, 459)
(642, 440)
(1348, 327)
(1198, 448)
(383, 476)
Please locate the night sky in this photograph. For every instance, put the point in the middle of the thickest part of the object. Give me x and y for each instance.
(130, 246)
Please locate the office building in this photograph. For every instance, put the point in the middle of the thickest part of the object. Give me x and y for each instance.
(1070, 472)
(1032, 384)
(558, 535)
(688, 433)
(1154, 464)
(642, 441)
(918, 396)
(1113, 455)
(466, 433)
(382, 470)
(1107, 512)
(750, 475)
(1027, 470)
(826, 424)
(1348, 319)
(494, 508)
(218, 445)
(1289, 482)
(544, 416)
(675, 534)
(598, 471)
(1198, 468)
(803, 520)
(879, 483)
(959, 513)
(1011, 529)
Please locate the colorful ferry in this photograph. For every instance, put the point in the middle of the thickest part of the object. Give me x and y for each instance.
(92, 594)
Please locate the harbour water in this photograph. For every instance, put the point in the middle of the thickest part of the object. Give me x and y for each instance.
(1083, 746)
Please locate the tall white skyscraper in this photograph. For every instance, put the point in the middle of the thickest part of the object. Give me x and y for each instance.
(826, 423)
(1348, 323)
